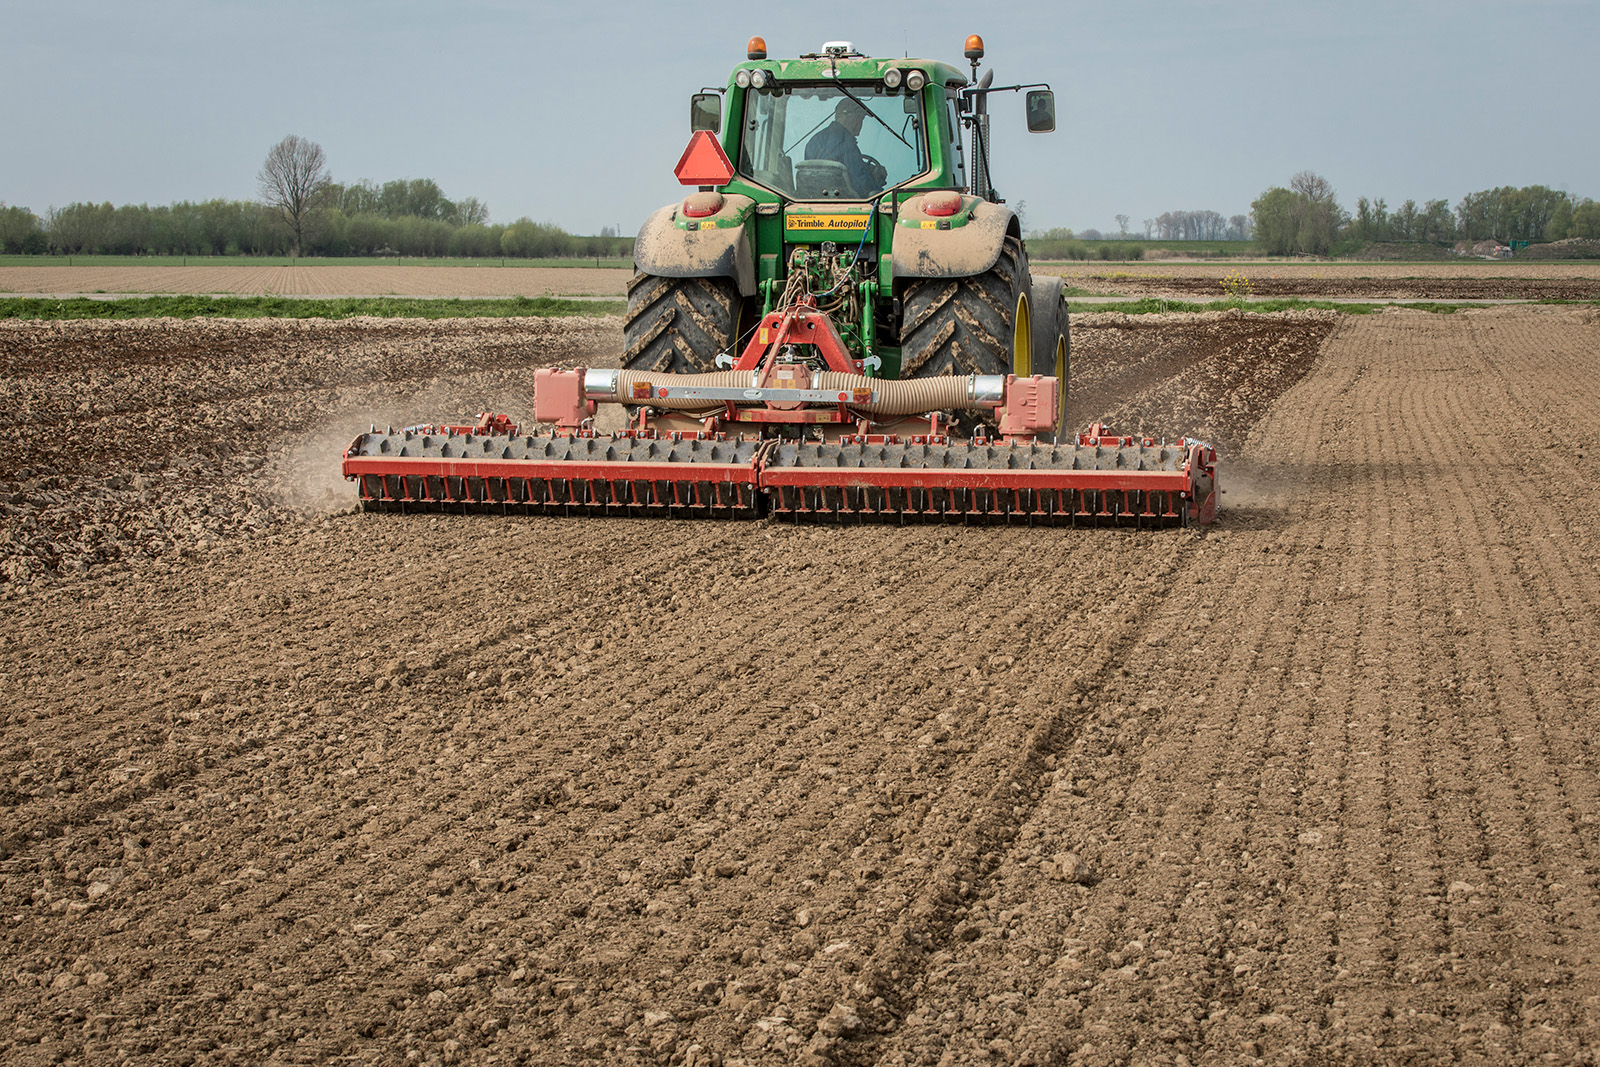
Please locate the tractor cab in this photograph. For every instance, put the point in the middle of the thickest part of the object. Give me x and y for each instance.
(840, 125)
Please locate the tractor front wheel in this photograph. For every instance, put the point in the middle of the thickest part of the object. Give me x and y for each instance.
(678, 325)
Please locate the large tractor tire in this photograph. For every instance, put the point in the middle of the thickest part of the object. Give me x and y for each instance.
(678, 325)
(1052, 343)
(974, 325)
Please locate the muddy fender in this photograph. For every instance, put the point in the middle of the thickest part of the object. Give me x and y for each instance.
(959, 252)
(718, 246)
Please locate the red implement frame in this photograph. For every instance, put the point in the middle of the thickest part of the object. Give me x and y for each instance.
(802, 324)
(1049, 486)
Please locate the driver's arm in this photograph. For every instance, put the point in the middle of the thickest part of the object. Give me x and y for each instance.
(862, 174)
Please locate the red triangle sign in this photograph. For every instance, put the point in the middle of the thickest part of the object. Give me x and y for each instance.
(704, 162)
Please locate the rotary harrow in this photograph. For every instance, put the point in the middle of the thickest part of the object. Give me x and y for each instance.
(774, 437)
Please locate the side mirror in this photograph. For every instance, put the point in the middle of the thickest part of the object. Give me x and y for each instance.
(1041, 111)
(705, 112)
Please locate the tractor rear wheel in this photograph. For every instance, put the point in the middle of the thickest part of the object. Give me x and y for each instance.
(974, 325)
(1052, 343)
(678, 325)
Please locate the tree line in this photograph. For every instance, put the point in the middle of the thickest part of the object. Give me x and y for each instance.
(245, 228)
(1197, 226)
(1532, 213)
(1306, 218)
(1168, 226)
(302, 211)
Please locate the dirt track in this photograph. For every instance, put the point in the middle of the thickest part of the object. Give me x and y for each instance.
(1318, 785)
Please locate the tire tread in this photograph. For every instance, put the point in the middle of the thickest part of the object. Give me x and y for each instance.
(678, 325)
(962, 325)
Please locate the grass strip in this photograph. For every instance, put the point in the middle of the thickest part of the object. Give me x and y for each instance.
(276, 307)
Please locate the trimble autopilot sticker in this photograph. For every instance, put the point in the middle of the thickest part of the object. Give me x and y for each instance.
(826, 222)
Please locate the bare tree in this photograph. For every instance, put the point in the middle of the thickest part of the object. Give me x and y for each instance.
(1312, 186)
(1122, 224)
(1305, 218)
(1320, 218)
(294, 181)
(470, 211)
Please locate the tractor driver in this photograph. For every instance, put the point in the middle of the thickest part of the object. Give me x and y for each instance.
(837, 141)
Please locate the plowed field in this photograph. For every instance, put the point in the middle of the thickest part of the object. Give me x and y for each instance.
(1468, 280)
(286, 783)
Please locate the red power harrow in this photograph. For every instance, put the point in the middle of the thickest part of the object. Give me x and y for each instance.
(794, 430)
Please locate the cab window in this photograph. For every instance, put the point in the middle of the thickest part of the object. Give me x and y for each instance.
(958, 162)
(818, 141)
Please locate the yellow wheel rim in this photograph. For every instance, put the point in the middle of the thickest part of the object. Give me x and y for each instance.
(1022, 339)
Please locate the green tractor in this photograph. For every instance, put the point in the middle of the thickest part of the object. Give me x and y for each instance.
(865, 184)
(841, 327)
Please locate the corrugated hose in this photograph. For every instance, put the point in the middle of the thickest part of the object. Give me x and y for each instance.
(911, 396)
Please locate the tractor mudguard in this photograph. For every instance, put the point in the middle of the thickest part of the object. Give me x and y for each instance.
(958, 252)
(717, 247)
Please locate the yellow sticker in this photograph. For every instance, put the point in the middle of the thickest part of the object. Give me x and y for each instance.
(764, 336)
(929, 224)
(826, 222)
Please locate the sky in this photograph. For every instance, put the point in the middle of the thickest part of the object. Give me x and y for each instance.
(575, 113)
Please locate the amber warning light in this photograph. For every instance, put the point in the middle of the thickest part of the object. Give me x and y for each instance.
(704, 162)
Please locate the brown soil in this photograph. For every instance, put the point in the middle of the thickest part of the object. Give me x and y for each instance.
(1210, 376)
(151, 439)
(1317, 785)
(1377, 288)
(1457, 280)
